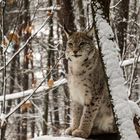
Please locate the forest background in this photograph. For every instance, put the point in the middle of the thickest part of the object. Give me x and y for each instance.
(33, 63)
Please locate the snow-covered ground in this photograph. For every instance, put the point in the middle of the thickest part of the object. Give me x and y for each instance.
(55, 138)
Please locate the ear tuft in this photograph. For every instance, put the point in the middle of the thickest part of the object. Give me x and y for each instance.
(90, 32)
(67, 32)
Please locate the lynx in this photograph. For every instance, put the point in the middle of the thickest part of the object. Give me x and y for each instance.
(91, 107)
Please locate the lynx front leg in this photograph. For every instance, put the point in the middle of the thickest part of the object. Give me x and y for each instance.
(86, 122)
(76, 116)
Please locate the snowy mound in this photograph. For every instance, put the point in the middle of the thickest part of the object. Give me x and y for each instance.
(56, 138)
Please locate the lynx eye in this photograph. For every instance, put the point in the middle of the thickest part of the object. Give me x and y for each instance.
(70, 44)
(82, 43)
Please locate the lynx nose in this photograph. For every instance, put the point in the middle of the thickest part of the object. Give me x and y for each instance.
(75, 52)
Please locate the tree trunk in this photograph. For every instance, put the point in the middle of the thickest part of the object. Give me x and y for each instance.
(46, 100)
(13, 71)
(66, 17)
(26, 19)
(122, 22)
(81, 14)
(114, 74)
(45, 116)
(67, 107)
(134, 40)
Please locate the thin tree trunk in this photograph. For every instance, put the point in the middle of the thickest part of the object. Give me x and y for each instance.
(33, 124)
(82, 15)
(54, 76)
(66, 17)
(13, 71)
(67, 107)
(33, 85)
(46, 99)
(45, 116)
(26, 18)
(122, 23)
(19, 100)
(134, 31)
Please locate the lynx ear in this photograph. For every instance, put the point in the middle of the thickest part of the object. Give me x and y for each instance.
(67, 32)
(90, 32)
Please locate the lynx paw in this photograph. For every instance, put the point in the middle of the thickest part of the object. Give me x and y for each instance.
(80, 133)
(69, 131)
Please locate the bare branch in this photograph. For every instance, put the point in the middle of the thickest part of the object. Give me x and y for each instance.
(114, 6)
(29, 96)
(39, 9)
(128, 62)
(31, 37)
(26, 93)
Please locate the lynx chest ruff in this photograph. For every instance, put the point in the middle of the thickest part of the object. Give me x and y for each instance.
(79, 92)
(80, 83)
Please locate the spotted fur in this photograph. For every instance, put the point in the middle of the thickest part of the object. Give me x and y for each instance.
(91, 108)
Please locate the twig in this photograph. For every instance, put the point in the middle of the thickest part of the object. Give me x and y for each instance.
(3, 58)
(28, 97)
(128, 62)
(41, 115)
(3, 108)
(31, 37)
(116, 4)
(136, 58)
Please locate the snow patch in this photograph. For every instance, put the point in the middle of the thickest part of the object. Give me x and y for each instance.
(56, 138)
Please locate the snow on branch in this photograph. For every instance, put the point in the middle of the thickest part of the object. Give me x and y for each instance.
(135, 109)
(118, 91)
(4, 117)
(56, 138)
(128, 62)
(28, 92)
(56, 8)
(116, 4)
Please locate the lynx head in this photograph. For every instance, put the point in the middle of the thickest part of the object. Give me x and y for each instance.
(80, 45)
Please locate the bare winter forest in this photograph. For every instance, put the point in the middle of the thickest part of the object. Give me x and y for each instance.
(34, 95)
